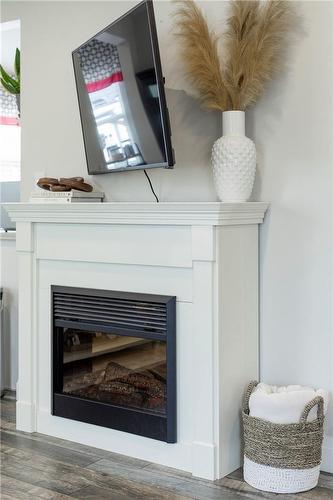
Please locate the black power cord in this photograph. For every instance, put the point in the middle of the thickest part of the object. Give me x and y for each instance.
(151, 186)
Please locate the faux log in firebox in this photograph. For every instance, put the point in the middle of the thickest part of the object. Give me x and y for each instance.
(114, 360)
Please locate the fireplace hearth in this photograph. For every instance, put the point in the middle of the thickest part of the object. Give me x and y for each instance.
(114, 360)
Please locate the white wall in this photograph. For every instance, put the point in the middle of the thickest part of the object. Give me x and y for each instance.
(292, 126)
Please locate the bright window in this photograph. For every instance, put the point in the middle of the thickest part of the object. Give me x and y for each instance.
(10, 153)
(10, 132)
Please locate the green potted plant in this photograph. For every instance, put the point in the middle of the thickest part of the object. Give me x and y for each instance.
(13, 84)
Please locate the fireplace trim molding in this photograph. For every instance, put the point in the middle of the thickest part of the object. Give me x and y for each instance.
(175, 213)
(206, 254)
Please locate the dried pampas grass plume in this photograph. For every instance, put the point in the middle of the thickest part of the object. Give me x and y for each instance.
(241, 28)
(254, 39)
(200, 55)
(255, 35)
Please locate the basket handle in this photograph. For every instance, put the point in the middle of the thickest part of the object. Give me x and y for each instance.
(318, 400)
(248, 392)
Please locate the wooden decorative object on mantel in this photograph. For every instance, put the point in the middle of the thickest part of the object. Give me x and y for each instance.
(64, 184)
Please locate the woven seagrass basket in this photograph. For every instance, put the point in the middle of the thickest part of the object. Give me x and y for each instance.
(282, 458)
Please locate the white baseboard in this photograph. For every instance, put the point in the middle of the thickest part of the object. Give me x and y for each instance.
(203, 460)
(10, 387)
(25, 417)
(327, 459)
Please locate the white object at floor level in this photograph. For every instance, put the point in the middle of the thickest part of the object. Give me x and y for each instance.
(266, 478)
(284, 405)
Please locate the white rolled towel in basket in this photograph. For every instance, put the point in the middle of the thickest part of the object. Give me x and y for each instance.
(285, 404)
(282, 405)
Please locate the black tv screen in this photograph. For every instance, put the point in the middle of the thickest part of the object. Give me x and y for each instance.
(121, 96)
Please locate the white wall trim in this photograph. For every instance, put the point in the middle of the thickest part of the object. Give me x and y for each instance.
(8, 235)
(10, 25)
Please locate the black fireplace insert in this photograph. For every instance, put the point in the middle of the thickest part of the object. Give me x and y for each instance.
(114, 360)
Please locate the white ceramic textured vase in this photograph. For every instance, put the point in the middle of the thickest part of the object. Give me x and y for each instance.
(234, 160)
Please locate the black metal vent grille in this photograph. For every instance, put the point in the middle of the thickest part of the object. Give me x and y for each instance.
(127, 311)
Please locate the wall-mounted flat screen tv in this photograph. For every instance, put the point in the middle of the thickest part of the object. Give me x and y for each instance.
(120, 89)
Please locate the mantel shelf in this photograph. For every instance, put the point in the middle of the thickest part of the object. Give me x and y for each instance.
(173, 213)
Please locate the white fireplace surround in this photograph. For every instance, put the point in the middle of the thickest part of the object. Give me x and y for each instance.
(206, 254)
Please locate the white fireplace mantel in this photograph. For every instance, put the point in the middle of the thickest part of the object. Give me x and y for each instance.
(176, 213)
(205, 254)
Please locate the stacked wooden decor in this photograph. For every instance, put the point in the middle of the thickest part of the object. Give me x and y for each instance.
(65, 190)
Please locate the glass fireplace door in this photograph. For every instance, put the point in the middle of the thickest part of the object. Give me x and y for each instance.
(121, 370)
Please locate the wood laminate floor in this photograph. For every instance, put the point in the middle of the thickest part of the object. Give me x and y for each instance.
(35, 466)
